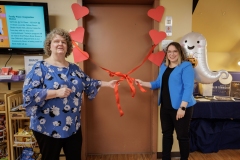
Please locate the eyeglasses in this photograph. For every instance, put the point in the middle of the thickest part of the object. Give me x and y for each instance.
(172, 52)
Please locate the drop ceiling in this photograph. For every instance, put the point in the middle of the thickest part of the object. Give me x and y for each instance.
(219, 22)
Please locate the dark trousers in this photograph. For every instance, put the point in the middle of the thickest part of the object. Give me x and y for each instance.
(50, 147)
(169, 123)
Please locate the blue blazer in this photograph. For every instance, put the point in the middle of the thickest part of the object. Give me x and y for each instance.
(181, 84)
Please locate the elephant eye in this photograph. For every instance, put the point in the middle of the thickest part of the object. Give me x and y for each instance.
(185, 41)
(197, 41)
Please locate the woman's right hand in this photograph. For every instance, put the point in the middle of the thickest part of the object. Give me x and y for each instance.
(142, 83)
(138, 81)
(60, 93)
(63, 92)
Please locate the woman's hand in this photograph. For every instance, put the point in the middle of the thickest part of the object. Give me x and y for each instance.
(60, 93)
(180, 114)
(63, 92)
(138, 81)
(142, 83)
(110, 84)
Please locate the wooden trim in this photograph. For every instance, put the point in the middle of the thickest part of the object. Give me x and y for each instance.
(154, 100)
(173, 154)
(83, 112)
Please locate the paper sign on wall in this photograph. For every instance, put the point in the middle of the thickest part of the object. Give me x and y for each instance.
(165, 43)
(168, 25)
(29, 61)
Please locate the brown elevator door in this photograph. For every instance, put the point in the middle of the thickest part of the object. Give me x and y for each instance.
(116, 37)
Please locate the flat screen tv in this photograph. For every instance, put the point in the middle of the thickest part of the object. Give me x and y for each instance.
(23, 27)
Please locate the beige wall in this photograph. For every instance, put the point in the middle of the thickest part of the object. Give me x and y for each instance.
(222, 32)
(223, 60)
(181, 12)
(60, 15)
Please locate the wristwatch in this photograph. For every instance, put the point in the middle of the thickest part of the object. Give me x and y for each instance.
(183, 108)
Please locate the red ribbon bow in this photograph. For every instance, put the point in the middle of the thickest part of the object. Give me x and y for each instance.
(122, 76)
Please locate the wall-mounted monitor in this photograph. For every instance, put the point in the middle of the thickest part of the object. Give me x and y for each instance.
(23, 27)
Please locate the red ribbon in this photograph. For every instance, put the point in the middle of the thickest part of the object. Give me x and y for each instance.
(122, 76)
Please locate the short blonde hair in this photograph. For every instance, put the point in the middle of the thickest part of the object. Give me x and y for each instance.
(51, 35)
(179, 48)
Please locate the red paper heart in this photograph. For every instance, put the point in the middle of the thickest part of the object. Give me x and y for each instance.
(157, 58)
(79, 11)
(79, 56)
(78, 34)
(157, 36)
(156, 13)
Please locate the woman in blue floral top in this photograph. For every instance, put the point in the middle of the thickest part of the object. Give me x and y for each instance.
(53, 97)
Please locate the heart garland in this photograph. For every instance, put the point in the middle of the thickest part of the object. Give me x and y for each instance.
(157, 58)
(79, 11)
(78, 34)
(156, 36)
(156, 13)
(80, 55)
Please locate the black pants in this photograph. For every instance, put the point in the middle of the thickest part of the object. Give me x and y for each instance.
(50, 147)
(169, 123)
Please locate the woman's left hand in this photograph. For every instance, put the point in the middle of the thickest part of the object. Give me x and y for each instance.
(110, 84)
(180, 114)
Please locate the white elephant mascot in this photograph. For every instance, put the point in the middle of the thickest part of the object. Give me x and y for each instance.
(195, 46)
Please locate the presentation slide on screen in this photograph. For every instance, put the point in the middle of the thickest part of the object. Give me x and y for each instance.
(22, 26)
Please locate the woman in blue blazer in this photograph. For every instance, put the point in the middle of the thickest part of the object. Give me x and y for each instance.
(176, 83)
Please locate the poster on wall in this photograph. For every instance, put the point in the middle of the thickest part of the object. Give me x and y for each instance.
(29, 61)
(220, 89)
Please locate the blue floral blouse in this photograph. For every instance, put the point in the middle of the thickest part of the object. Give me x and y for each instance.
(57, 117)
